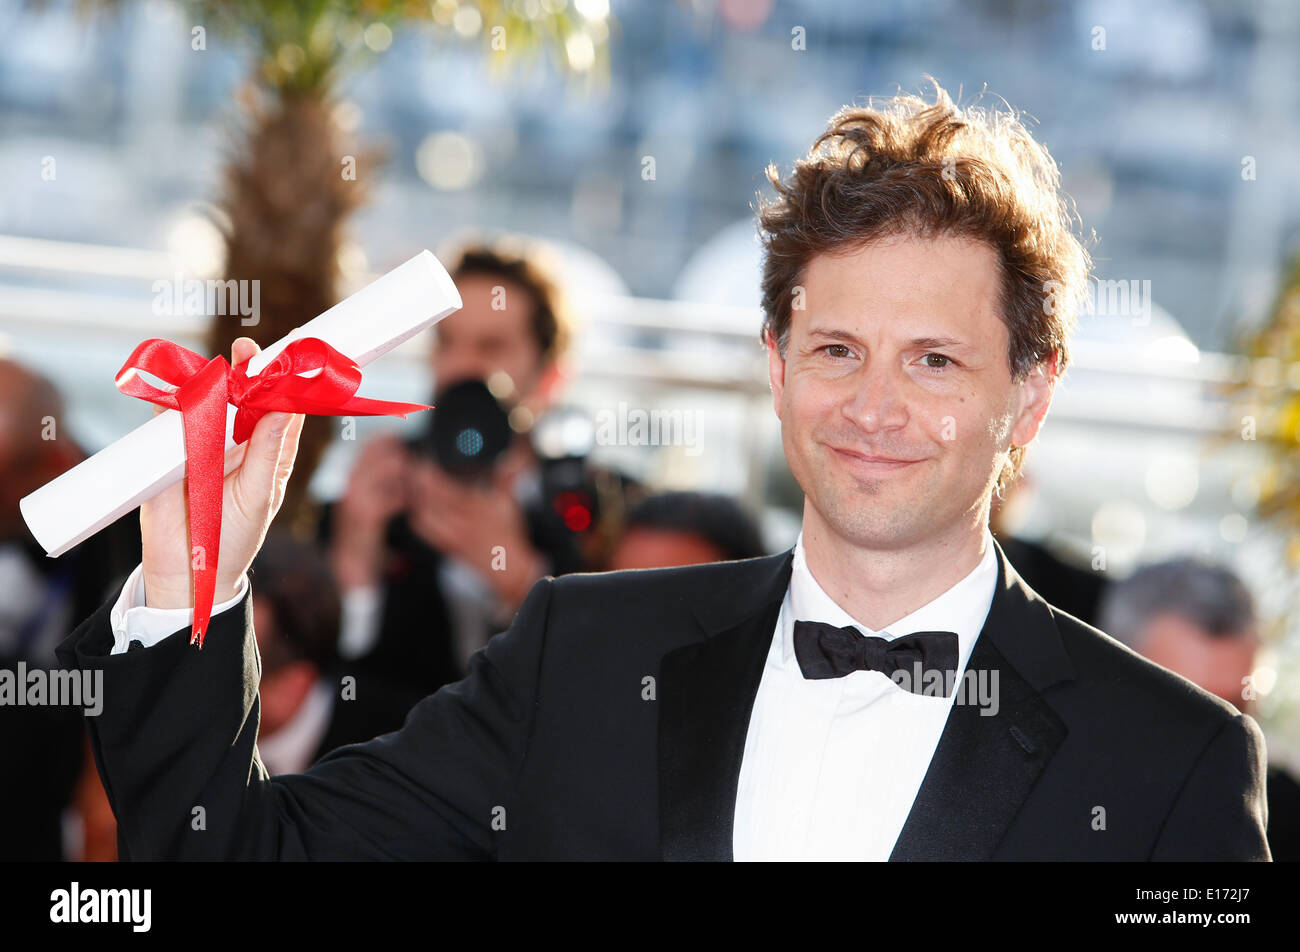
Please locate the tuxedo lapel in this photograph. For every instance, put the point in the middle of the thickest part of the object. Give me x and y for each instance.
(706, 692)
(985, 765)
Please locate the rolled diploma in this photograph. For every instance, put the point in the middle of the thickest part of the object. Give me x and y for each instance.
(96, 492)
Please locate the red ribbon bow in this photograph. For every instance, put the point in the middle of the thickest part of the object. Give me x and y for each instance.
(204, 388)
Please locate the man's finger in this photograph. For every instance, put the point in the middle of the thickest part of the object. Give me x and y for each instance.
(254, 486)
(288, 453)
(442, 484)
(388, 467)
(438, 532)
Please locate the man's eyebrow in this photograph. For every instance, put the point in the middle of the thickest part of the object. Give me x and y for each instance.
(833, 333)
(936, 342)
(837, 334)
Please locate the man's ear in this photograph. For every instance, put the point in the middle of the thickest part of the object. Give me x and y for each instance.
(1035, 398)
(775, 373)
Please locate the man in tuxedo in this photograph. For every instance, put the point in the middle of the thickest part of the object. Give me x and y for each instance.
(919, 284)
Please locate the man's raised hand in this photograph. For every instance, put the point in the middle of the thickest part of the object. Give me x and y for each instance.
(256, 475)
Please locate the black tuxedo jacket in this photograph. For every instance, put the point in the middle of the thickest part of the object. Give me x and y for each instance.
(609, 722)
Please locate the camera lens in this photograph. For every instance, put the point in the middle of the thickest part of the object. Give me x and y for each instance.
(470, 430)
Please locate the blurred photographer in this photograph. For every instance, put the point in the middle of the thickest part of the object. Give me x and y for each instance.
(436, 542)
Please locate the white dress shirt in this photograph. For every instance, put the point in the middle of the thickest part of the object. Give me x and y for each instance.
(831, 767)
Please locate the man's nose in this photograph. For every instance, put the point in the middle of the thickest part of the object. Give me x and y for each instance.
(876, 400)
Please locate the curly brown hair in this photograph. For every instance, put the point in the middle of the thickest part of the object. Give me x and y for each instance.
(907, 166)
(512, 259)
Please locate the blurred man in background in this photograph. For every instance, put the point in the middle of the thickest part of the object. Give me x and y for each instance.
(312, 701)
(40, 598)
(430, 565)
(1198, 620)
(686, 528)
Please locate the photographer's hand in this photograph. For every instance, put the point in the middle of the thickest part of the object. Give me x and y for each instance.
(482, 526)
(376, 491)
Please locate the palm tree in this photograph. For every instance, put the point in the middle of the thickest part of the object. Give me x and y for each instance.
(1268, 393)
(287, 193)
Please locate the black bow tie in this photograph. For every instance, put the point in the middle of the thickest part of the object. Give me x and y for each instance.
(824, 651)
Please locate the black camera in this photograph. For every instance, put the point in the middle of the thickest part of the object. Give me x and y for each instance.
(468, 431)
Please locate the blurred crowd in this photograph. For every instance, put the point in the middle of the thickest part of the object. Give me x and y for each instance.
(434, 544)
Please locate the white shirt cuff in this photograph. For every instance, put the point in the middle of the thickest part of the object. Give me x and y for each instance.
(131, 620)
(362, 617)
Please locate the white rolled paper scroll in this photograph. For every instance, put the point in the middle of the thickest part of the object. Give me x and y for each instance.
(96, 492)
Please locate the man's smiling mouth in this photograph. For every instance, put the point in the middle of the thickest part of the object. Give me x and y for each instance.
(871, 462)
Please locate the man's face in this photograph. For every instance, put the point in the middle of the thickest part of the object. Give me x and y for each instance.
(1216, 664)
(493, 331)
(896, 399)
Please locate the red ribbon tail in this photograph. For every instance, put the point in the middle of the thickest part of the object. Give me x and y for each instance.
(365, 406)
(203, 407)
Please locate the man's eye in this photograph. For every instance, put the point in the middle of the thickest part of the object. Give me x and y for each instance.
(937, 361)
(837, 350)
